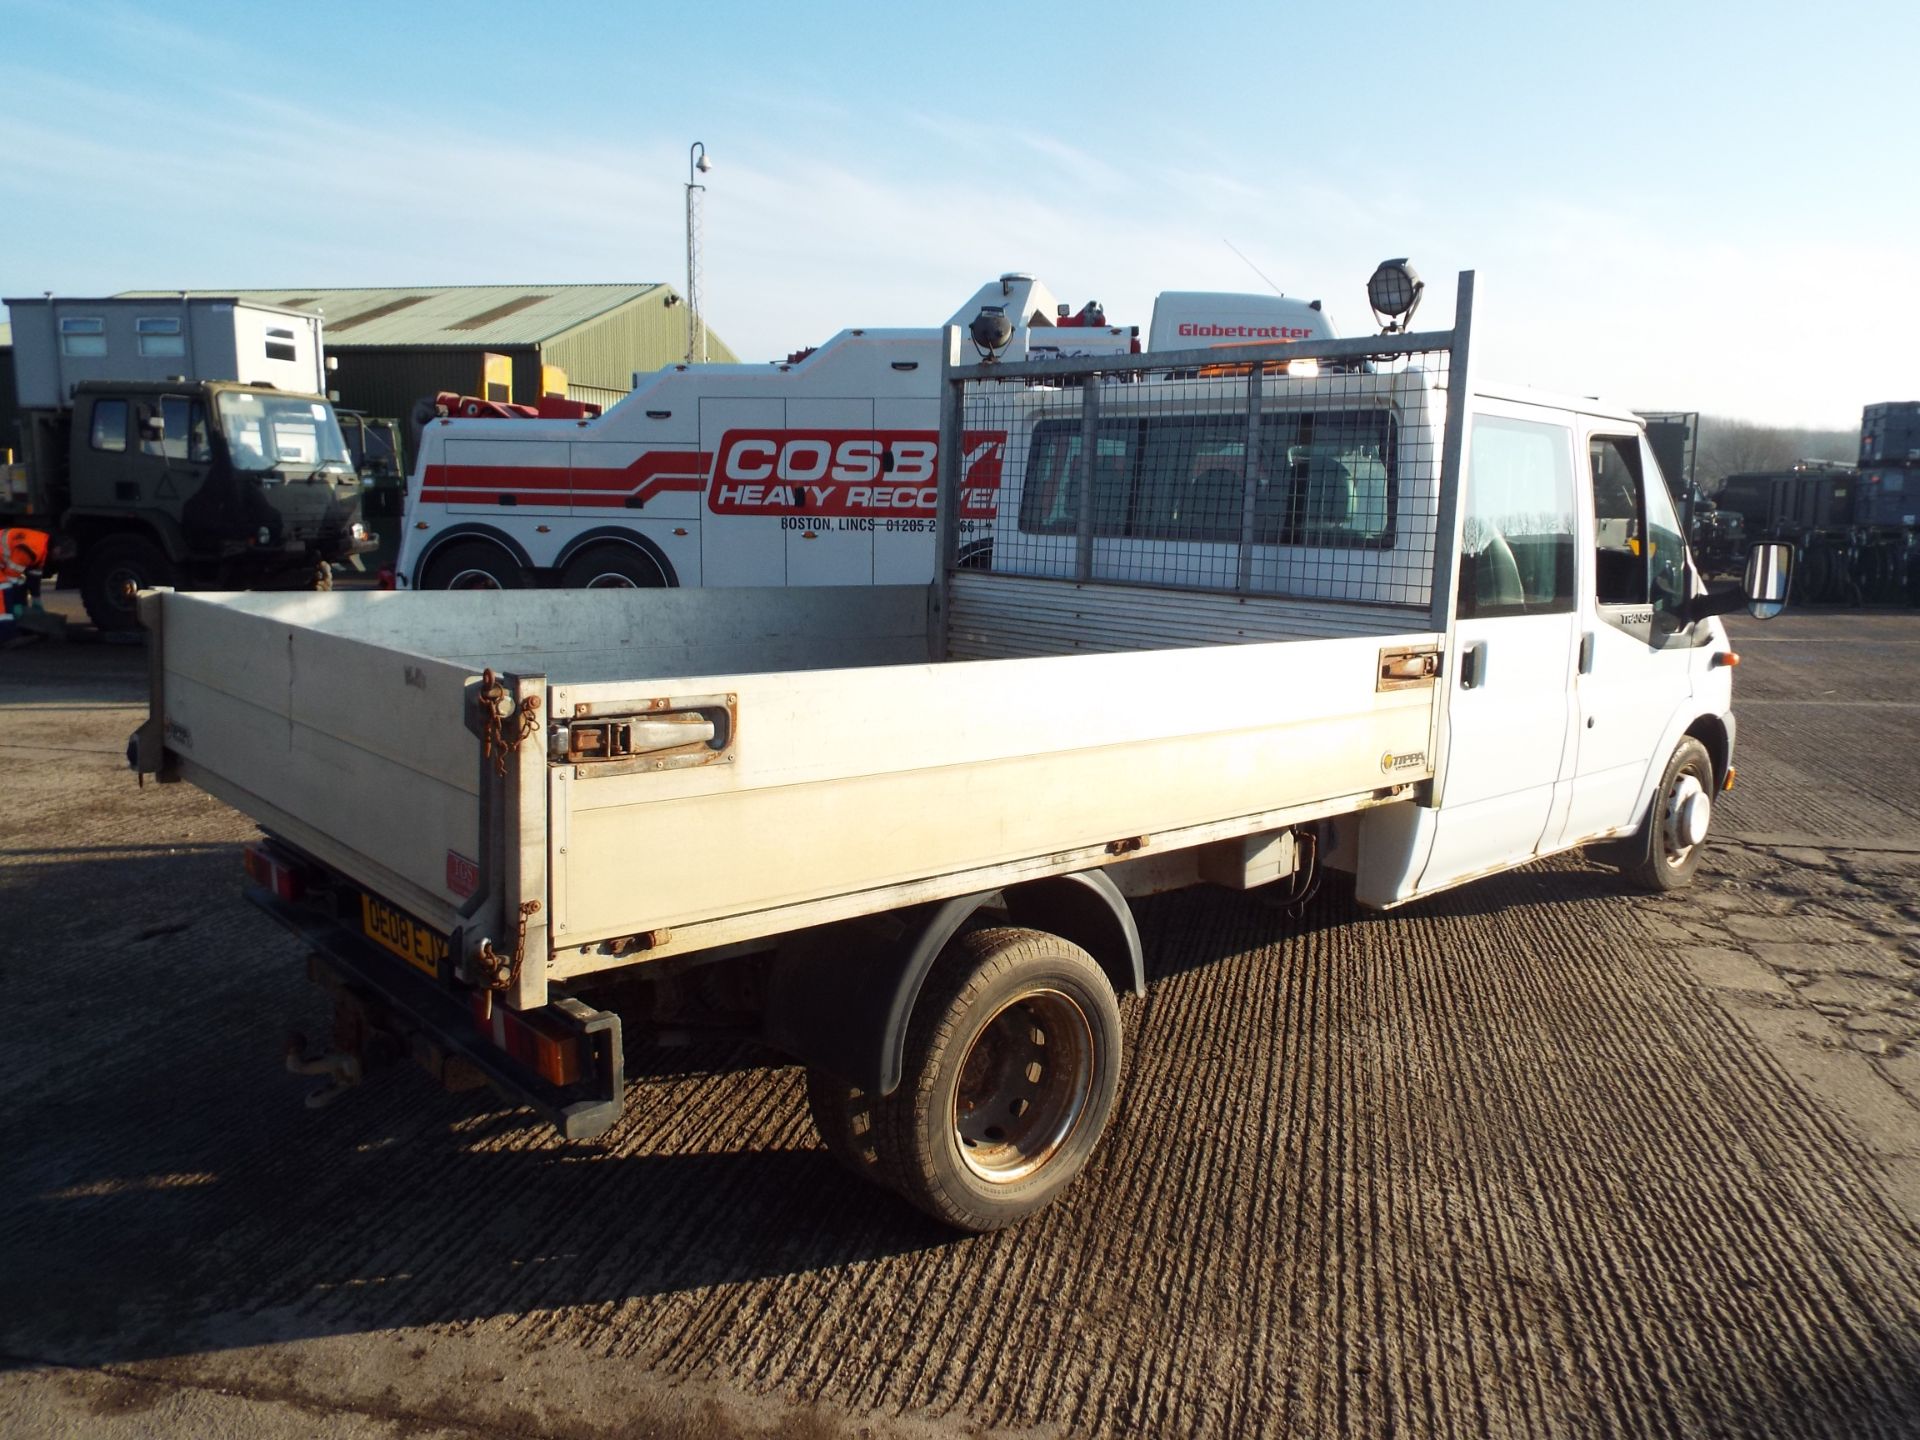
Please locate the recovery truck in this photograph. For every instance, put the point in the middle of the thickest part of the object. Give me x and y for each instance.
(1239, 629)
(818, 471)
(178, 442)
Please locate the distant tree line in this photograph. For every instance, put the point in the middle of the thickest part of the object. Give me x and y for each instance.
(1737, 447)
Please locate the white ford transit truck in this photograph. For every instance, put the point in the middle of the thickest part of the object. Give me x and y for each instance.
(1323, 606)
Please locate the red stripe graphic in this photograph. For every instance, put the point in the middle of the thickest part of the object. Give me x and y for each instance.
(654, 473)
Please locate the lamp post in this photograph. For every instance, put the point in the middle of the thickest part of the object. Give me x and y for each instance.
(697, 165)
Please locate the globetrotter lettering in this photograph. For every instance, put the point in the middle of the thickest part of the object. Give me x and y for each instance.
(1191, 329)
(843, 473)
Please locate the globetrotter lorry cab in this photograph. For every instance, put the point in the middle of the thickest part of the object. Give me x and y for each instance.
(1244, 621)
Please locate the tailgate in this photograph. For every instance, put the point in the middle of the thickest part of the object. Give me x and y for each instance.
(364, 755)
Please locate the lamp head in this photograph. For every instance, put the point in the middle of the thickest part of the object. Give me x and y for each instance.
(991, 330)
(1394, 292)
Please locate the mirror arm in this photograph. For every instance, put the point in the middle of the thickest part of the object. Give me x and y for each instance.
(1723, 602)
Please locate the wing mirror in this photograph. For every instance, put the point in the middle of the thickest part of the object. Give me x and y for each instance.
(1769, 574)
(1763, 589)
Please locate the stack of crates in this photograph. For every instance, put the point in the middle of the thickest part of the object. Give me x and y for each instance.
(1889, 490)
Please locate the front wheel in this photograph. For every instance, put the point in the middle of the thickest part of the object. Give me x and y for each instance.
(1667, 849)
(119, 568)
(1012, 1064)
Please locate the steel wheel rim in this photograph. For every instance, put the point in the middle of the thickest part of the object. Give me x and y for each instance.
(610, 580)
(474, 578)
(1024, 1086)
(1675, 833)
(122, 586)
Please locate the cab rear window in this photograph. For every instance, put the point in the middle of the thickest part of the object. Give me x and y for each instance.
(1323, 478)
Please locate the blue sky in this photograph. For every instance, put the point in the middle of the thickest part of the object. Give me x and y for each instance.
(1688, 206)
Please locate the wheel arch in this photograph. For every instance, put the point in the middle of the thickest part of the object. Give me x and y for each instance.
(618, 535)
(1712, 732)
(90, 529)
(840, 997)
(454, 534)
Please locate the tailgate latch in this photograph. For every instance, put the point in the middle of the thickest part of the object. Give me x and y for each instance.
(671, 734)
(1407, 666)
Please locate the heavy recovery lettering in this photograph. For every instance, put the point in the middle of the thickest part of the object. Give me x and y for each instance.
(848, 473)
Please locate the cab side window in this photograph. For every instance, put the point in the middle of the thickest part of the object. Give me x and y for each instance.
(1620, 570)
(1639, 557)
(1516, 536)
(109, 429)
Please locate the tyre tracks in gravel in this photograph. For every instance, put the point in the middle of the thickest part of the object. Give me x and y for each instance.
(1502, 1163)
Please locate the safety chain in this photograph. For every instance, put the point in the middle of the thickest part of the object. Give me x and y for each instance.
(500, 971)
(502, 736)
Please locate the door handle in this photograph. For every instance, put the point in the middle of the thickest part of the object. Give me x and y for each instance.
(1473, 665)
(1586, 653)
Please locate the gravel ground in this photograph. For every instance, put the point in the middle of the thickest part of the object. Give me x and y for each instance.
(1537, 1157)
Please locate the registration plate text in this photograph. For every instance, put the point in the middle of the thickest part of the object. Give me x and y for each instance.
(402, 934)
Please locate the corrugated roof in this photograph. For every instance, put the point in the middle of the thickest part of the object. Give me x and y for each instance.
(462, 315)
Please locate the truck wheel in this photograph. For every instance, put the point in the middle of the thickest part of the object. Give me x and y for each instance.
(120, 567)
(612, 567)
(1667, 850)
(473, 565)
(1012, 1063)
(843, 1118)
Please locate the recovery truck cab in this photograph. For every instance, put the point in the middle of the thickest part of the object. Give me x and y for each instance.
(817, 471)
(1372, 615)
(145, 476)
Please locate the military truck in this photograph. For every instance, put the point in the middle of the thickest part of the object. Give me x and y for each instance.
(178, 442)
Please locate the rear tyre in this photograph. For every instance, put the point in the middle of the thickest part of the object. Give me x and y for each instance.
(118, 569)
(1012, 1063)
(1666, 852)
(473, 565)
(613, 567)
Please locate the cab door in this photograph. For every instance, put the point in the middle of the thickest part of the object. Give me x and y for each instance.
(1635, 659)
(1509, 696)
(830, 536)
(742, 541)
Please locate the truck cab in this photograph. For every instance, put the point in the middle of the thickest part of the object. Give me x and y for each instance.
(190, 483)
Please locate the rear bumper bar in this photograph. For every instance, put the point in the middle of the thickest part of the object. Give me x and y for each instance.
(416, 1005)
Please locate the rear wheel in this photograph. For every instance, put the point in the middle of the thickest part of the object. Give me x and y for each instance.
(1012, 1064)
(1667, 849)
(473, 565)
(613, 567)
(118, 569)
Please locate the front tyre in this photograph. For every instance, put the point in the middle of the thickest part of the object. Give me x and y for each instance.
(1012, 1063)
(1667, 849)
(116, 571)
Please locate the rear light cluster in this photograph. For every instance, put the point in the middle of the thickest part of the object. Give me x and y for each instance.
(271, 873)
(556, 1058)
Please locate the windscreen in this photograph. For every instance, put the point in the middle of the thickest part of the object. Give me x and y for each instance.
(268, 432)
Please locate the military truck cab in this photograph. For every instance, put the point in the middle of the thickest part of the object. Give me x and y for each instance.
(146, 478)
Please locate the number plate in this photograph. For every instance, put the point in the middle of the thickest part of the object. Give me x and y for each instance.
(400, 933)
